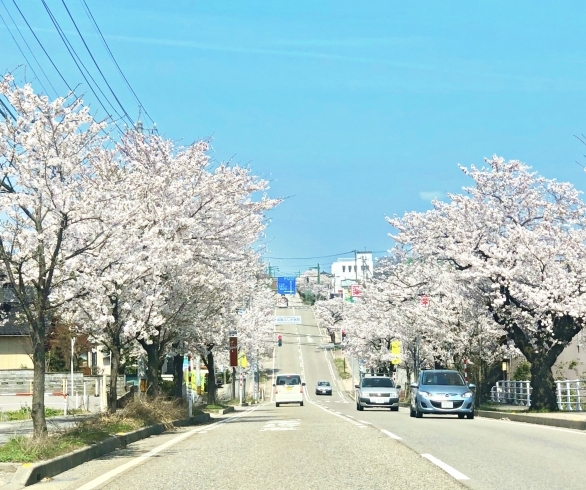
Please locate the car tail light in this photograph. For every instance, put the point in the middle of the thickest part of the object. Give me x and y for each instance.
(302, 389)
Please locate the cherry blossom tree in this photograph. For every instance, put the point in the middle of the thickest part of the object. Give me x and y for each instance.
(518, 239)
(51, 214)
(181, 250)
(330, 314)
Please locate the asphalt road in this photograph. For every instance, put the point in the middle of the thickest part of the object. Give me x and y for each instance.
(327, 443)
(290, 447)
(492, 454)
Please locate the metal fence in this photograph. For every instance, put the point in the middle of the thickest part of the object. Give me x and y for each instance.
(511, 393)
(571, 395)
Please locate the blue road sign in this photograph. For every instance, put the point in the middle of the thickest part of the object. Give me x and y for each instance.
(286, 285)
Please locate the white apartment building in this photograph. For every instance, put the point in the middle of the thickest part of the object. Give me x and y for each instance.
(356, 269)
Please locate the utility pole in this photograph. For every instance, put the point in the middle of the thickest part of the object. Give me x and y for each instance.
(318, 272)
(356, 264)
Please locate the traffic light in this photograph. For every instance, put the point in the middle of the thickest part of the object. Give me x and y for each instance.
(280, 340)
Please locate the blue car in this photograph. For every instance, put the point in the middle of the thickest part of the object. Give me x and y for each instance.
(441, 391)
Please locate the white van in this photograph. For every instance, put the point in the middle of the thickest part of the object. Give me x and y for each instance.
(288, 389)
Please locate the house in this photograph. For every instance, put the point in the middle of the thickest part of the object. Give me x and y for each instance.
(16, 351)
(357, 269)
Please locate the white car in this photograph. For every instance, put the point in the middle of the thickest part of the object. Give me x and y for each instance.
(288, 389)
(283, 302)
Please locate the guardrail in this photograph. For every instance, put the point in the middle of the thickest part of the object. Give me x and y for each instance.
(571, 395)
(511, 393)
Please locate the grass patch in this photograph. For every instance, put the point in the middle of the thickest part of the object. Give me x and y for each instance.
(214, 407)
(24, 413)
(342, 368)
(138, 413)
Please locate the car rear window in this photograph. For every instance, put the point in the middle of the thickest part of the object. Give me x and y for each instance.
(324, 383)
(378, 383)
(288, 380)
(435, 378)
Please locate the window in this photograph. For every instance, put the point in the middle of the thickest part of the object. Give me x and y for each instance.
(343, 268)
(288, 380)
(443, 379)
(378, 383)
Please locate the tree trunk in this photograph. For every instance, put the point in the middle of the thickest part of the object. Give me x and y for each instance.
(211, 378)
(115, 356)
(152, 369)
(38, 402)
(178, 376)
(543, 395)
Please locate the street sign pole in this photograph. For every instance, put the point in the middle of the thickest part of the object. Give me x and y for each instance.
(240, 385)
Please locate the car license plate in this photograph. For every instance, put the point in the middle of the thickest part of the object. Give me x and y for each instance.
(377, 400)
(289, 388)
(447, 404)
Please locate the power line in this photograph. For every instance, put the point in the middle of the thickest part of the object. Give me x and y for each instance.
(21, 51)
(309, 258)
(99, 31)
(321, 256)
(96, 63)
(74, 55)
(41, 45)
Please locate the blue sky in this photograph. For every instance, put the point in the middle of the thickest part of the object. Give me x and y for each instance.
(353, 111)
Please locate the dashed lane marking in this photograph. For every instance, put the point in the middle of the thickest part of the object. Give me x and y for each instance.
(446, 467)
(391, 435)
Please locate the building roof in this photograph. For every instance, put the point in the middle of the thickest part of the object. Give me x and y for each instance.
(9, 327)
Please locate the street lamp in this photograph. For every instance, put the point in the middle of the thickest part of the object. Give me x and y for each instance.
(504, 367)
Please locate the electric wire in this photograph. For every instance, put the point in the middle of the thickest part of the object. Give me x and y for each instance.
(22, 52)
(99, 31)
(42, 47)
(268, 257)
(7, 110)
(74, 55)
(96, 63)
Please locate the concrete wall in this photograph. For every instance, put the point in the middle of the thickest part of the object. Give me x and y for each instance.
(15, 352)
(20, 381)
(571, 363)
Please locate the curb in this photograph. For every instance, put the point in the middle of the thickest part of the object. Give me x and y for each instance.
(31, 473)
(222, 411)
(529, 419)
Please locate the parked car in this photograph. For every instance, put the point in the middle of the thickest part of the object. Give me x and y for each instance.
(288, 389)
(377, 391)
(442, 391)
(323, 388)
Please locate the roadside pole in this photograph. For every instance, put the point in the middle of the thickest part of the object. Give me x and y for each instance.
(72, 347)
(198, 389)
(240, 385)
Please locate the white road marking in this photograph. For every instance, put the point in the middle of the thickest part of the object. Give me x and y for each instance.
(144, 457)
(391, 435)
(281, 425)
(309, 340)
(363, 421)
(447, 468)
(329, 410)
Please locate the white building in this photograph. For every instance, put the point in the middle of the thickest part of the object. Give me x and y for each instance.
(356, 269)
